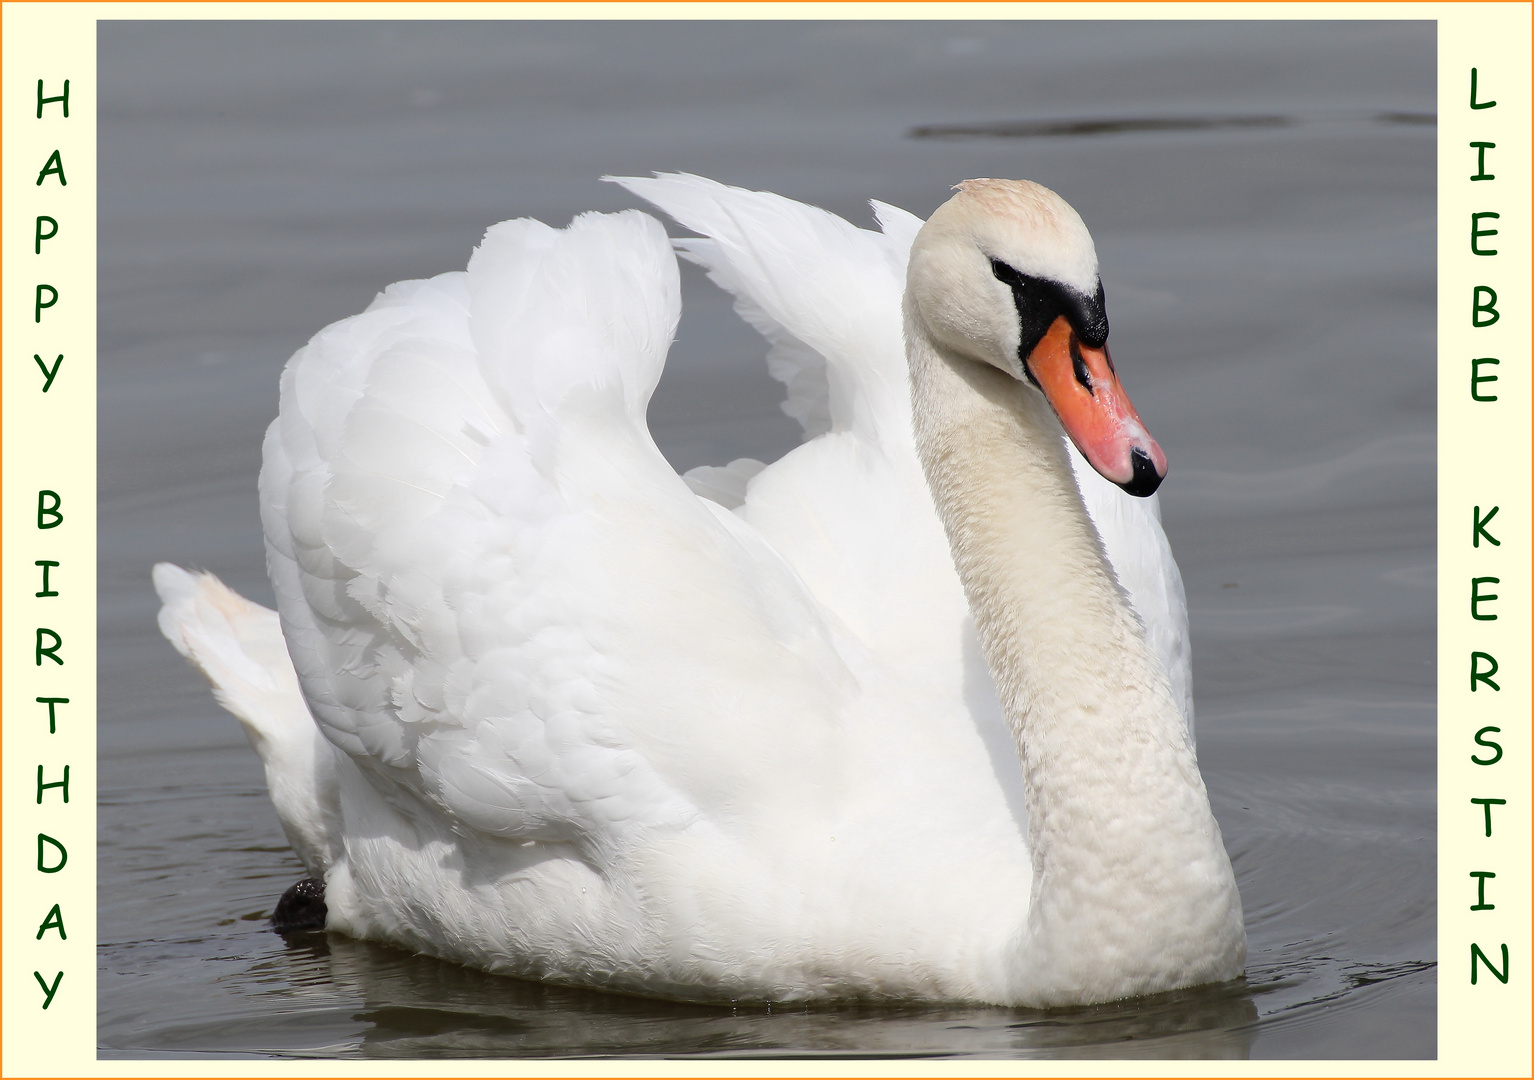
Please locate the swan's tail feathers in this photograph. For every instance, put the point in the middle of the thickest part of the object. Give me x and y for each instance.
(239, 646)
(555, 311)
(824, 293)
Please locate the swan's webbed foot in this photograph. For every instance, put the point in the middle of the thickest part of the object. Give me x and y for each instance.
(302, 907)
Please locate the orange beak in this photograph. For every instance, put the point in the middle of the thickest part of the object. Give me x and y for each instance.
(1084, 391)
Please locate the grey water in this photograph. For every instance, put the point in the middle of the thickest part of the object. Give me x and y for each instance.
(1262, 196)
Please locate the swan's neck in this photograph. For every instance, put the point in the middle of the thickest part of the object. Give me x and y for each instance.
(1132, 889)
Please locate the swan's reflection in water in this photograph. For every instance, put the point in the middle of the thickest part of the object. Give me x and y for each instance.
(415, 1007)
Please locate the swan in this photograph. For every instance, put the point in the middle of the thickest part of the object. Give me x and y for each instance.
(898, 716)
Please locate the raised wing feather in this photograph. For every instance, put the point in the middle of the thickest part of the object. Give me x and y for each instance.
(816, 286)
(849, 508)
(487, 573)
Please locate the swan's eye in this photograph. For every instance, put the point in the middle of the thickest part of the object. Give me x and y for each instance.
(1006, 275)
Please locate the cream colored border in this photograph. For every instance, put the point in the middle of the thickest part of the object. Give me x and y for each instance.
(49, 442)
(1483, 460)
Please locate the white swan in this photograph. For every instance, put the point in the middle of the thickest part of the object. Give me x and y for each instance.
(572, 721)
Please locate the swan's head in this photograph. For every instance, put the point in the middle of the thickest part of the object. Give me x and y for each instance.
(1005, 273)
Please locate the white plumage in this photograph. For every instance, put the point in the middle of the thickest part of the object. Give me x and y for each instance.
(580, 723)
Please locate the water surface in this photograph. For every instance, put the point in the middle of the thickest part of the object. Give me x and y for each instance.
(1262, 198)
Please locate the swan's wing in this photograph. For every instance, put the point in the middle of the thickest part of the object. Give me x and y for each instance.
(499, 598)
(1137, 548)
(848, 509)
(824, 293)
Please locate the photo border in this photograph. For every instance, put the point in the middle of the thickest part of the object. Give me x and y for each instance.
(48, 443)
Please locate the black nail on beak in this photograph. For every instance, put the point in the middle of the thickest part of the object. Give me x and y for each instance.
(1145, 480)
